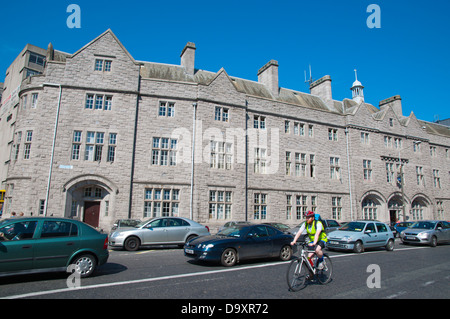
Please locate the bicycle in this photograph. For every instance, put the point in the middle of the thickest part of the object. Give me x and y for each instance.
(300, 269)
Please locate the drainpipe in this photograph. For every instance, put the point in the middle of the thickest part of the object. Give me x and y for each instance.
(347, 133)
(55, 130)
(191, 204)
(133, 153)
(246, 160)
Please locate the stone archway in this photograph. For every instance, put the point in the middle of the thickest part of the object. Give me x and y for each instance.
(90, 198)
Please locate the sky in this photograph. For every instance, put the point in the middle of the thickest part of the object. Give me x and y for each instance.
(407, 54)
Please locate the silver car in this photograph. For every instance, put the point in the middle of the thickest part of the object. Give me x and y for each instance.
(358, 235)
(430, 232)
(157, 231)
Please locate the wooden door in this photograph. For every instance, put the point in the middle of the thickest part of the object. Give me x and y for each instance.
(92, 213)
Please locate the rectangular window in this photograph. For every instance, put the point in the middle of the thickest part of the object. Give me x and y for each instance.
(221, 114)
(260, 160)
(98, 65)
(89, 101)
(259, 122)
(332, 134)
(28, 139)
(336, 207)
(221, 155)
(161, 202)
(367, 169)
(335, 169)
(34, 100)
(220, 204)
(76, 144)
(164, 151)
(260, 206)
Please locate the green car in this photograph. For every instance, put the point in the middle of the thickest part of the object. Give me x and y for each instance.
(43, 244)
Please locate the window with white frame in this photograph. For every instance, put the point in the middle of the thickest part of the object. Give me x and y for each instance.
(220, 202)
(34, 100)
(166, 109)
(367, 170)
(98, 102)
(336, 207)
(288, 163)
(76, 145)
(420, 176)
(287, 127)
(260, 160)
(164, 151)
(28, 140)
(288, 207)
(221, 155)
(221, 114)
(112, 147)
(370, 210)
(259, 122)
(332, 134)
(417, 211)
(440, 209)
(260, 206)
(335, 169)
(301, 206)
(103, 65)
(436, 178)
(161, 202)
(390, 172)
(365, 138)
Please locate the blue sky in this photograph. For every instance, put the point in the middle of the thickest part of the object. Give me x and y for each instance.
(408, 55)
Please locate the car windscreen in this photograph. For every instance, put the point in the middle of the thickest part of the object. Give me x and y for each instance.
(238, 231)
(424, 225)
(353, 226)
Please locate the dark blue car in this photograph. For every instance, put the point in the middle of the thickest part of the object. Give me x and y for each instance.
(240, 242)
(401, 226)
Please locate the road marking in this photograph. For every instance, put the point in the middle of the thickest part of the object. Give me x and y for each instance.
(202, 273)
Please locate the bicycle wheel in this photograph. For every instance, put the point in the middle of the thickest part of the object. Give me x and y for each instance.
(296, 274)
(324, 275)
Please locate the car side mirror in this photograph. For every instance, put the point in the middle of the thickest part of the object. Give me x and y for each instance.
(368, 232)
(439, 228)
(251, 235)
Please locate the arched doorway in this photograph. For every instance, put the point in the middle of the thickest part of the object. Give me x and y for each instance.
(90, 198)
(395, 208)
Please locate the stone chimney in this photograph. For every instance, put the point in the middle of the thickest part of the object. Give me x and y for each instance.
(322, 88)
(50, 52)
(395, 103)
(188, 58)
(268, 75)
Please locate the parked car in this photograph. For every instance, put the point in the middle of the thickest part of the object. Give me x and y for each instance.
(42, 244)
(157, 231)
(240, 242)
(359, 235)
(401, 226)
(329, 224)
(125, 223)
(430, 232)
(233, 223)
(280, 226)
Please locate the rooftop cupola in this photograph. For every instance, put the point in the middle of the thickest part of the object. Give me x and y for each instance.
(357, 90)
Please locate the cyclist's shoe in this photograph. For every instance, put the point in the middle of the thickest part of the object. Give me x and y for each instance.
(320, 266)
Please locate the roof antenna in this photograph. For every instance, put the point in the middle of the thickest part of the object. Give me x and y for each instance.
(310, 80)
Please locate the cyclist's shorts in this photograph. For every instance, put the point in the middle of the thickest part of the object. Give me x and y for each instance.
(322, 244)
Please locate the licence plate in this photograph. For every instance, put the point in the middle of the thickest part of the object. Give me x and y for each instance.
(334, 242)
(189, 251)
(409, 237)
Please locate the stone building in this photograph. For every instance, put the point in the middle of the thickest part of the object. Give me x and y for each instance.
(99, 136)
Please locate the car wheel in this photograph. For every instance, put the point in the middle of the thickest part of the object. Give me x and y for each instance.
(358, 248)
(390, 245)
(229, 257)
(433, 242)
(85, 265)
(132, 243)
(286, 253)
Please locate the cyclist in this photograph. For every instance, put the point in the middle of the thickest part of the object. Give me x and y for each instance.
(316, 234)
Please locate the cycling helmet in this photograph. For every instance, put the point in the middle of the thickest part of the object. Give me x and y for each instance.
(309, 214)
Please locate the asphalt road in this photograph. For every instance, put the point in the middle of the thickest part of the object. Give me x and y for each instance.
(164, 273)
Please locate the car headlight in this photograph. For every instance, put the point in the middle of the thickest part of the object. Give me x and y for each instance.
(205, 246)
(346, 238)
(423, 235)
